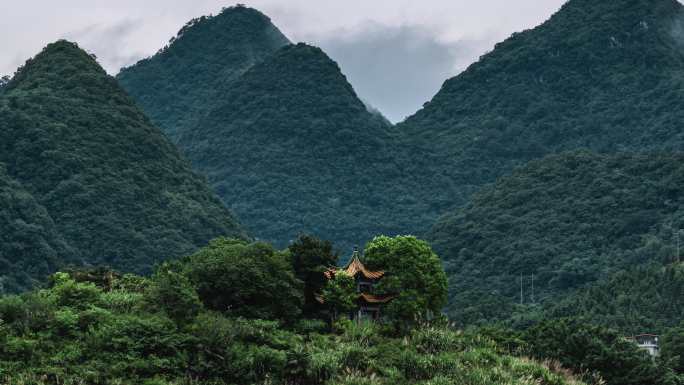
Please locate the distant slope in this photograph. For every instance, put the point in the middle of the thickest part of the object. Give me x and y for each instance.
(569, 219)
(602, 75)
(117, 190)
(641, 300)
(30, 245)
(599, 75)
(291, 149)
(178, 85)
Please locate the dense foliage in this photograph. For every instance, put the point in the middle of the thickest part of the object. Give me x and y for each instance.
(598, 352)
(281, 135)
(292, 149)
(86, 162)
(568, 220)
(183, 81)
(311, 257)
(414, 274)
(159, 330)
(31, 247)
(603, 75)
(339, 295)
(673, 348)
(245, 280)
(641, 300)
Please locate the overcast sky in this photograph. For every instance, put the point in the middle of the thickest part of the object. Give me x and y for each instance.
(396, 53)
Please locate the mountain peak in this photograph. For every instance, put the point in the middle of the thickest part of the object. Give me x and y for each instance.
(624, 17)
(56, 62)
(233, 23)
(117, 190)
(292, 127)
(177, 85)
(295, 76)
(620, 7)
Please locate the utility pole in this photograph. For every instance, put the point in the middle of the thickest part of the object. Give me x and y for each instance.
(533, 302)
(678, 260)
(521, 288)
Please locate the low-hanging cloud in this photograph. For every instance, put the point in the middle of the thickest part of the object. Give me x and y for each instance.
(398, 68)
(396, 53)
(111, 42)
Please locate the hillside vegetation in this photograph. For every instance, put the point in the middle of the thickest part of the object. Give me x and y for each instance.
(642, 300)
(98, 327)
(570, 220)
(601, 75)
(108, 182)
(31, 247)
(181, 83)
(292, 149)
(286, 142)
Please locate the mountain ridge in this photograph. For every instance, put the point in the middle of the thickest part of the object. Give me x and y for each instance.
(175, 85)
(295, 121)
(117, 190)
(570, 220)
(601, 82)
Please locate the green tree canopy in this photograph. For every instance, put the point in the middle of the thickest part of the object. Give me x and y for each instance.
(251, 280)
(597, 351)
(86, 179)
(339, 294)
(311, 257)
(173, 293)
(673, 348)
(413, 272)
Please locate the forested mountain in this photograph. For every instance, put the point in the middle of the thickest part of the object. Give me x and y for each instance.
(30, 245)
(599, 75)
(116, 190)
(287, 143)
(603, 75)
(291, 149)
(181, 83)
(570, 220)
(641, 300)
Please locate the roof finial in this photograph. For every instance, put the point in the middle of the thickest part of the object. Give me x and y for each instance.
(355, 254)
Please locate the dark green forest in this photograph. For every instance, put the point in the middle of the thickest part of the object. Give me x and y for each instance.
(648, 298)
(185, 80)
(570, 220)
(87, 180)
(292, 149)
(604, 76)
(30, 244)
(287, 143)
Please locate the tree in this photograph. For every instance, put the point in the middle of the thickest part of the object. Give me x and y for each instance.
(68, 292)
(311, 257)
(173, 293)
(251, 280)
(595, 350)
(339, 294)
(673, 348)
(414, 273)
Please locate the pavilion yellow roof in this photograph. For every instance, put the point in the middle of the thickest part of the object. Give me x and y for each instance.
(355, 267)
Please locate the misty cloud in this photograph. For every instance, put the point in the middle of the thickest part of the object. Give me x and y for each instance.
(111, 43)
(396, 53)
(398, 68)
